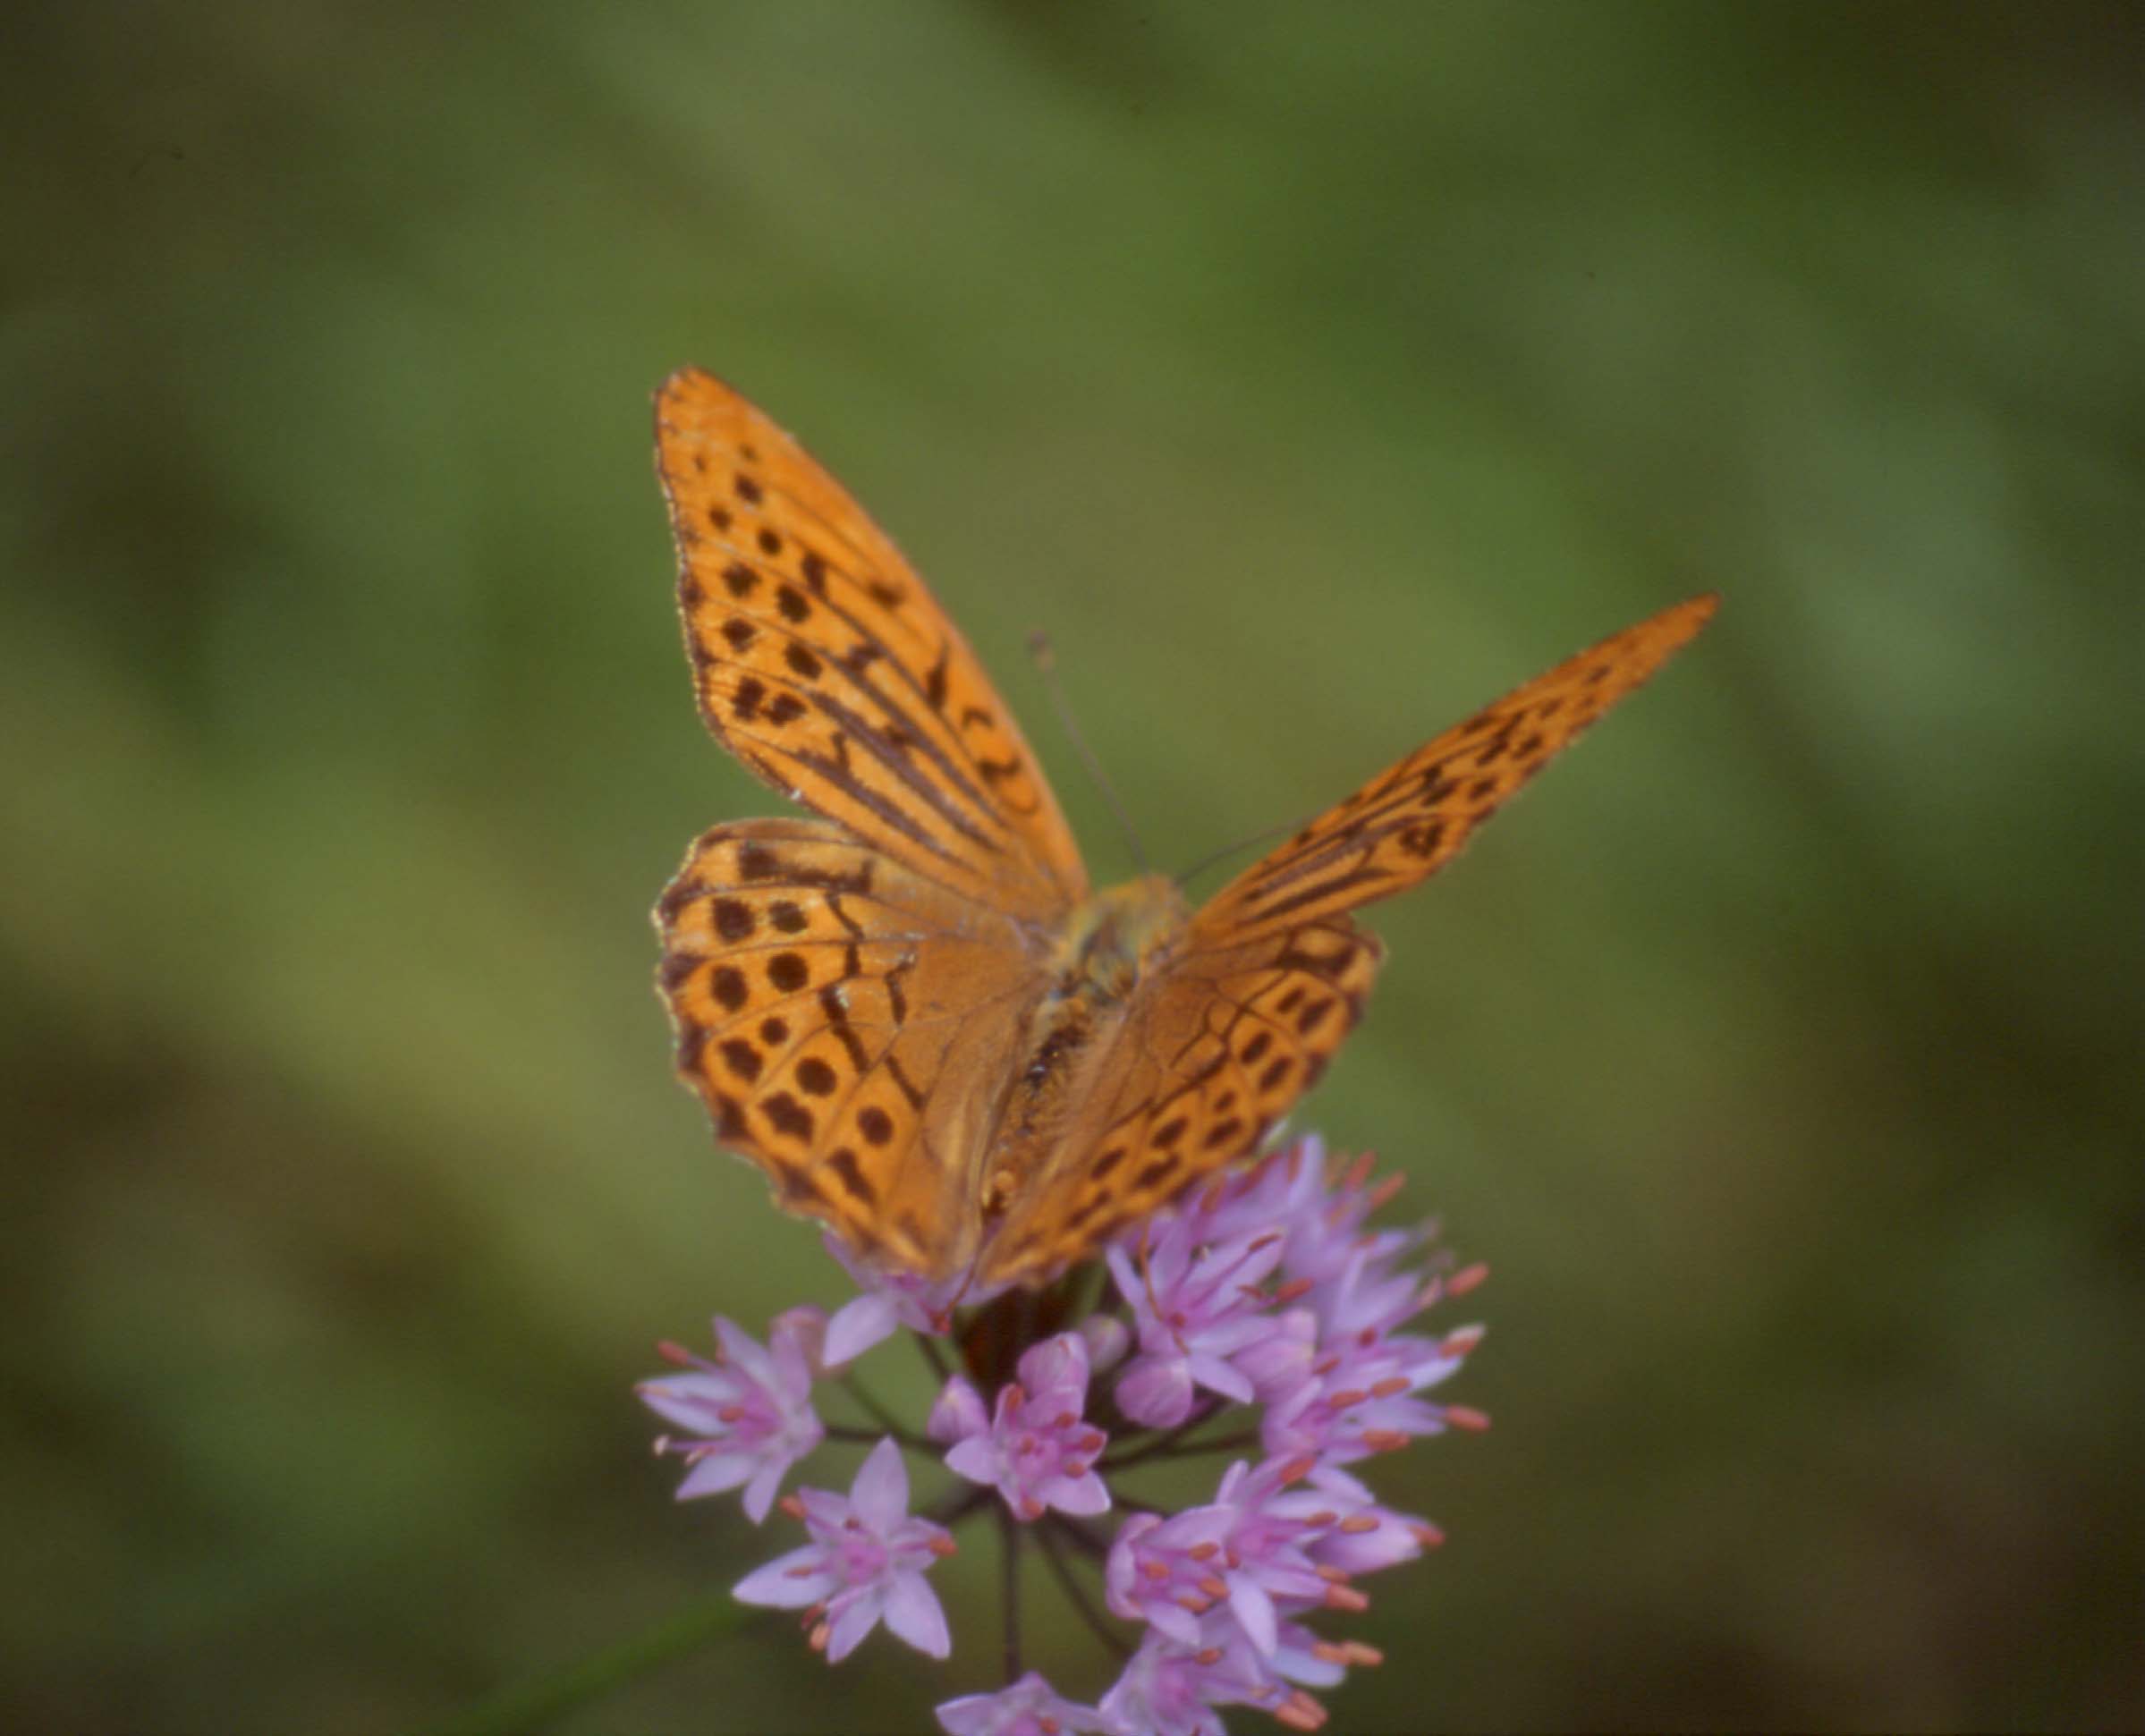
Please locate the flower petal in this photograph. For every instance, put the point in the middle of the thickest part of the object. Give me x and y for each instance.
(789, 1581)
(1156, 1391)
(798, 1338)
(1174, 1621)
(1030, 1704)
(958, 1411)
(693, 1402)
(1218, 1377)
(976, 1458)
(1107, 1340)
(914, 1614)
(760, 1492)
(880, 1493)
(1081, 1496)
(857, 1327)
(850, 1620)
(1055, 1362)
(1254, 1613)
(745, 1352)
(716, 1474)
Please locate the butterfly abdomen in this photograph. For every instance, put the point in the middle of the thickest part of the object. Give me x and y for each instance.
(1063, 1032)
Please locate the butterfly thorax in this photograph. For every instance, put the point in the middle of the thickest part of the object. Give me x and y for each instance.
(1116, 939)
(1117, 936)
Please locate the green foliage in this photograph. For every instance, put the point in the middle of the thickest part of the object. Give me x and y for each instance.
(1312, 374)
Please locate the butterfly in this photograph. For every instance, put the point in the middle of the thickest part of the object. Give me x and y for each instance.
(913, 1011)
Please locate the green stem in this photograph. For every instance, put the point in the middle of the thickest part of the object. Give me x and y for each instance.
(1048, 1536)
(1159, 1446)
(931, 1356)
(1009, 1591)
(1182, 1449)
(531, 1706)
(958, 1503)
(1083, 1536)
(880, 1415)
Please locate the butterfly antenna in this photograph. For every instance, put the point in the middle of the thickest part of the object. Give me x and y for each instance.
(1045, 657)
(1227, 851)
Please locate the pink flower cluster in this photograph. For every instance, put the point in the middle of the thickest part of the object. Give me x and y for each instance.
(1267, 1291)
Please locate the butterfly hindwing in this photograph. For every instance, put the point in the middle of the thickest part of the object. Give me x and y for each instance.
(829, 1007)
(1210, 1061)
(827, 667)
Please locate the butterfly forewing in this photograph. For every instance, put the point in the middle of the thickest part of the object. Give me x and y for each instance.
(823, 664)
(1410, 820)
(839, 1015)
(1272, 974)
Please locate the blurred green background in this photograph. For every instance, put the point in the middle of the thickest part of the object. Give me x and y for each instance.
(1313, 374)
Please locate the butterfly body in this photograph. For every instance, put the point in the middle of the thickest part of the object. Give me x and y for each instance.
(1117, 942)
(1119, 935)
(911, 1011)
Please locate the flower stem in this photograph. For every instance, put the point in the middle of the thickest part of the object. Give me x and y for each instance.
(1182, 1449)
(1047, 1536)
(1009, 1536)
(931, 1356)
(880, 1415)
(531, 1705)
(1159, 1446)
(1081, 1535)
(957, 1503)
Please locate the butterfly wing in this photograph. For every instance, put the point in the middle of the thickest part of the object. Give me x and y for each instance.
(843, 1018)
(1410, 820)
(1272, 973)
(824, 664)
(1209, 1062)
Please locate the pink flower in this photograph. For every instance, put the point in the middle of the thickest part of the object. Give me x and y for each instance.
(866, 1563)
(1357, 1396)
(1196, 1306)
(1326, 1230)
(1029, 1708)
(750, 1413)
(1037, 1450)
(1247, 1551)
(1286, 1190)
(890, 1300)
(1171, 1689)
(1279, 1364)
(958, 1412)
(1270, 1289)
(1364, 1536)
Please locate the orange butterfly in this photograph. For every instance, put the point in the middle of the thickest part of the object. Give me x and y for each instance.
(914, 1011)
